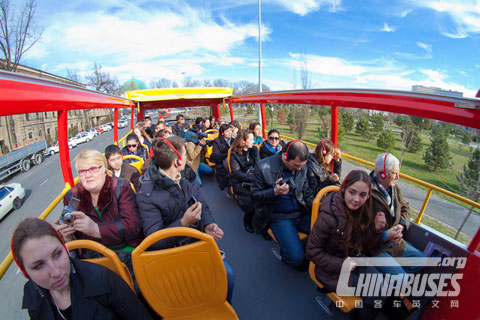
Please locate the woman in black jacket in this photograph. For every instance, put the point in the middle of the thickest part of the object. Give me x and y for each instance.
(324, 166)
(272, 145)
(219, 154)
(63, 288)
(243, 159)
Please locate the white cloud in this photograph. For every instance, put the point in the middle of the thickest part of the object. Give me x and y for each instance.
(424, 46)
(387, 28)
(464, 13)
(304, 7)
(405, 13)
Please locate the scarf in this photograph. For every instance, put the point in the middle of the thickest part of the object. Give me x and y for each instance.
(279, 147)
(385, 193)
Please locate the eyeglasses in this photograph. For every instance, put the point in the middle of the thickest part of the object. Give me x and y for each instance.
(131, 145)
(91, 171)
(273, 138)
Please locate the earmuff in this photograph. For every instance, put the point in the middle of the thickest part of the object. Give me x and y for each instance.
(243, 135)
(179, 160)
(252, 126)
(383, 173)
(18, 263)
(220, 131)
(285, 155)
(324, 151)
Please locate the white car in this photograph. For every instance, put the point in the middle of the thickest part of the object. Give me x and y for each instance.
(54, 149)
(11, 196)
(91, 134)
(81, 138)
(122, 124)
(72, 141)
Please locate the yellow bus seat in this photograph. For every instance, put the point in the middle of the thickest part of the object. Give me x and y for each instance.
(109, 259)
(208, 153)
(346, 304)
(186, 282)
(137, 164)
(212, 134)
(229, 156)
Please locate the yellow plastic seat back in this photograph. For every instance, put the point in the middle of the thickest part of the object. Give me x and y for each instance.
(346, 304)
(208, 153)
(212, 134)
(137, 164)
(186, 282)
(109, 259)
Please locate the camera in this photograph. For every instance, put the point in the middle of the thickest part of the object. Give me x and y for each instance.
(291, 183)
(202, 135)
(66, 217)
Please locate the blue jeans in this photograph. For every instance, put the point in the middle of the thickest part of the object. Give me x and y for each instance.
(203, 169)
(230, 280)
(410, 252)
(286, 233)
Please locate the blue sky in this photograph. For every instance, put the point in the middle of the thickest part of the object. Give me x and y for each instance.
(345, 44)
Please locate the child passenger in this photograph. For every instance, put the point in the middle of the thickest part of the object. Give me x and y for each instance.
(344, 229)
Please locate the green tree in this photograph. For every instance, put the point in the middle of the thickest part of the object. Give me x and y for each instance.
(398, 120)
(324, 122)
(466, 137)
(300, 118)
(290, 115)
(437, 154)
(386, 140)
(282, 117)
(341, 129)
(411, 141)
(421, 123)
(377, 123)
(363, 128)
(347, 120)
(469, 181)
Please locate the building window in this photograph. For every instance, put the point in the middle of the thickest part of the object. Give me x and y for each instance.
(27, 116)
(46, 115)
(40, 133)
(30, 135)
(37, 116)
(48, 131)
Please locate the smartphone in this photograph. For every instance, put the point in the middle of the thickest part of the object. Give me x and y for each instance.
(66, 217)
(192, 201)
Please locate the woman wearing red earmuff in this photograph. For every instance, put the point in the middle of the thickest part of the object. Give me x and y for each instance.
(64, 288)
(220, 148)
(256, 128)
(324, 166)
(243, 159)
(344, 229)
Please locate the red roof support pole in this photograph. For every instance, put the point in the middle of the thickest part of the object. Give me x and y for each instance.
(474, 245)
(334, 126)
(264, 122)
(115, 126)
(230, 105)
(132, 118)
(62, 121)
(140, 112)
(216, 110)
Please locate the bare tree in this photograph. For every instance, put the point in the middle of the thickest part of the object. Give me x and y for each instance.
(73, 75)
(102, 81)
(17, 33)
(163, 83)
(305, 78)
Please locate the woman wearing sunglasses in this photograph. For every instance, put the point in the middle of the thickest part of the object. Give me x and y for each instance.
(107, 211)
(134, 148)
(272, 145)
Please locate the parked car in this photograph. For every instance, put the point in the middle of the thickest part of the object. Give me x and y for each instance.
(81, 138)
(99, 129)
(90, 134)
(105, 127)
(122, 123)
(11, 196)
(73, 142)
(54, 149)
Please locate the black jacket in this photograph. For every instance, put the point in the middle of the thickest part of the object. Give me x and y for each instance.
(265, 152)
(96, 293)
(241, 176)
(267, 172)
(142, 152)
(179, 130)
(316, 175)
(219, 153)
(163, 203)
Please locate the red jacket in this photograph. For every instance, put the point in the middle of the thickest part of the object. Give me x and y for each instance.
(120, 220)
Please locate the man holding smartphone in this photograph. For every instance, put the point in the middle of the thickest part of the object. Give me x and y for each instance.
(167, 199)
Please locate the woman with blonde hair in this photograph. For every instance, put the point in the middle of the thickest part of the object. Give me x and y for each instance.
(107, 211)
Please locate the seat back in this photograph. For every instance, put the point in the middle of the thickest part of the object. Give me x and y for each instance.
(182, 281)
(137, 164)
(109, 259)
(208, 153)
(318, 201)
(212, 134)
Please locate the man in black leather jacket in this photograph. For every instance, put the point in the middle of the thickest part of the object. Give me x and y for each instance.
(283, 200)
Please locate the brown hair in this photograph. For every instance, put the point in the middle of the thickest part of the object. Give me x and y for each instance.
(143, 133)
(30, 228)
(238, 144)
(318, 153)
(358, 224)
(164, 154)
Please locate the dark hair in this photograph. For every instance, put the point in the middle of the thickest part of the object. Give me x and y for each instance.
(199, 120)
(147, 118)
(358, 222)
(211, 118)
(318, 153)
(238, 144)
(179, 116)
(164, 154)
(296, 148)
(273, 131)
(236, 124)
(132, 136)
(161, 133)
(111, 150)
(223, 127)
(30, 228)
